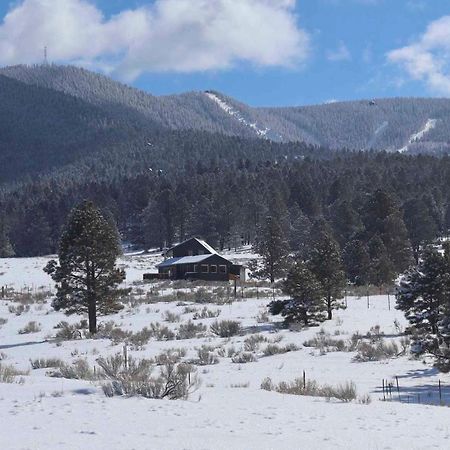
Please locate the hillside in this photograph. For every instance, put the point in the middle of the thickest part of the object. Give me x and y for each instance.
(382, 124)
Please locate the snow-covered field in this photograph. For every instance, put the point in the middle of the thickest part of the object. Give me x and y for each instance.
(229, 410)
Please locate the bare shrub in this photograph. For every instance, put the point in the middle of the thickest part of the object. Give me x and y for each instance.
(161, 333)
(170, 356)
(18, 310)
(226, 328)
(325, 343)
(171, 317)
(3, 321)
(206, 313)
(189, 310)
(190, 330)
(79, 370)
(253, 342)
(231, 351)
(344, 392)
(140, 338)
(376, 351)
(201, 295)
(243, 358)
(206, 356)
(131, 378)
(9, 374)
(30, 327)
(274, 349)
(43, 363)
(67, 332)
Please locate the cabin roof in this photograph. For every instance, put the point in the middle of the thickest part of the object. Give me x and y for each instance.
(204, 244)
(184, 260)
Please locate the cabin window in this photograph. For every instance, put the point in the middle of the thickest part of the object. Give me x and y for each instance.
(195, 268)
(205, 268)
(223, 269)
(213, 269)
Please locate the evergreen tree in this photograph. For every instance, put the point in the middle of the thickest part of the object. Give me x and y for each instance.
(422, 228)
(381, 268)
(356, 262)
(326, 264)
(306, 297)
(272, 245)
(422, 296)
(86, 276)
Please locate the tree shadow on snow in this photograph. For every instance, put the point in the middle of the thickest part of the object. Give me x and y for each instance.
(22, 344)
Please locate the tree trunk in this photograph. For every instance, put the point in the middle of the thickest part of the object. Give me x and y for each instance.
(329, 309)
(92, 313)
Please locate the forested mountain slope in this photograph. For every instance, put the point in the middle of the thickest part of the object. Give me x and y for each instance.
(384, 124)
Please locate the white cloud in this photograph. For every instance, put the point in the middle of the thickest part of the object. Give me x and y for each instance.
(165, 35)
(428, 59)
(342, 53)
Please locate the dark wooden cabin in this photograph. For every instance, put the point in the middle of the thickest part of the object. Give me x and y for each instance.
(194, 259)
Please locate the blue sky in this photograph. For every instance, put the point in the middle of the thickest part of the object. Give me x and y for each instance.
(262, 52)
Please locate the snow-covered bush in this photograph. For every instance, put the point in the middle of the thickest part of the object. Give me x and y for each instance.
(206, 356)
(43, 363)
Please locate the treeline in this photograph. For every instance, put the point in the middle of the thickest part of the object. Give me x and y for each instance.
(380, 207)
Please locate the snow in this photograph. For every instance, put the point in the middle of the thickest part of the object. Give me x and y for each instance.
(261, 132)
(429, 125)
(54, 413)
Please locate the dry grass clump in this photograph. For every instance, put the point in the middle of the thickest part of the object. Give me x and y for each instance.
(226, 328)
(190, 330)
(274, 349)
(43, 363)
(30, 327)
(130, 377)
(344, 392)
(9, 374)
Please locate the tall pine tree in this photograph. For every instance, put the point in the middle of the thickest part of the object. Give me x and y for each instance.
(86, 276)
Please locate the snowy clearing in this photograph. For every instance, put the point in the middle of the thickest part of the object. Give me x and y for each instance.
(229, 409)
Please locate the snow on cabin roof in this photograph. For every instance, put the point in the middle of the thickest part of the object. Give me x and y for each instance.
(183, 260)
(200, 241)
(206, 245)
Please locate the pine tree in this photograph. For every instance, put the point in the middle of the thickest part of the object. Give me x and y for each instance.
(306, 297)
(326, 264)
(422, 296)
(356, 262)
(272, 245)
(422, 228)
(381, 268)
(86, 277)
